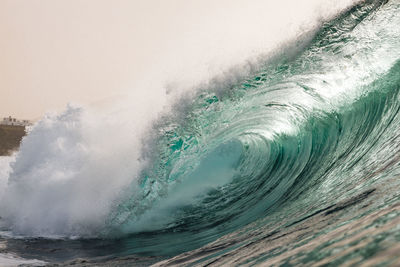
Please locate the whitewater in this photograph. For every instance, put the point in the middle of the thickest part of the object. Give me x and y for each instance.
(289, 159)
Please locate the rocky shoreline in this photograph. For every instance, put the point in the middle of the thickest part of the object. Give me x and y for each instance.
(10, 138)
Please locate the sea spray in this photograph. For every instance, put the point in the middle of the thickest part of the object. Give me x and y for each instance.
(279, 163)
(5, 169)
(68, 172)
(75, 168)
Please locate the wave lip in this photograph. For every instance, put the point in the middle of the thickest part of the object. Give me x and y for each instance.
(273, 115)
(290, 143)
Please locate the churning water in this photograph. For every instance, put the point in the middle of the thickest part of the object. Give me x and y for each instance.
(295, 162)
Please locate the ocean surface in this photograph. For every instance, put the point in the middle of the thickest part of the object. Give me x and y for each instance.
(296, 162)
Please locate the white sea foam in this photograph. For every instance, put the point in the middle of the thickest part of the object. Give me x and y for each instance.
(68, 172)
(11, 260)
(5, 169)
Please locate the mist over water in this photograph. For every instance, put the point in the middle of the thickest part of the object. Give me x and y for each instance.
(73, 167)
(294, 138)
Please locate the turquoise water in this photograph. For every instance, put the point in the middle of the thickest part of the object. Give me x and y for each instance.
(296, 164)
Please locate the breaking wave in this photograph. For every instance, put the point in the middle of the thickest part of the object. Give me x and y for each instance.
(300, 133)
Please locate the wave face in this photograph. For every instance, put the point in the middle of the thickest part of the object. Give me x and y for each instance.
(297, 163)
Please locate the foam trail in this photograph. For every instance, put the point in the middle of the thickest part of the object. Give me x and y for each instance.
(11, 260)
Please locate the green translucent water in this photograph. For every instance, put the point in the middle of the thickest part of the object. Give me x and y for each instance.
(296, 164)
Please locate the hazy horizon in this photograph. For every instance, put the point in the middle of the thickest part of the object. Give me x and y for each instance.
(56, 52)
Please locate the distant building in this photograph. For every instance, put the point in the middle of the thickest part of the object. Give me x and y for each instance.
(14, 122)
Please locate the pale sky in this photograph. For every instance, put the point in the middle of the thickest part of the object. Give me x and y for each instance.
(56, 51)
